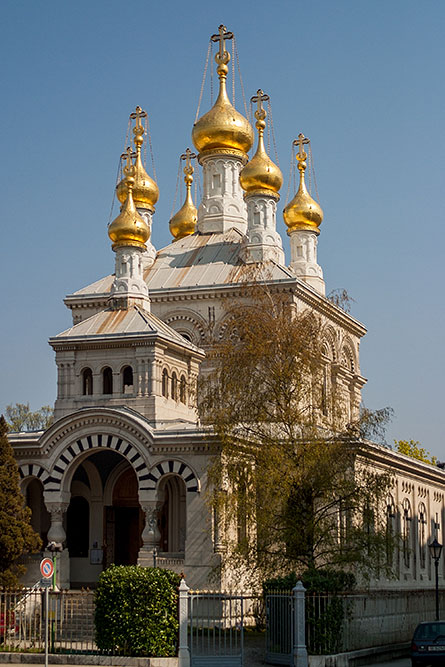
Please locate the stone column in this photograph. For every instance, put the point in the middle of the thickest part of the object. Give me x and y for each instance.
(57, 534)
(183, 649)
(150, 535)
(299, 641)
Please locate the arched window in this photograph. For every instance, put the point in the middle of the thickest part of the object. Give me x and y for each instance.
(127, 380)
(87, 382)
(406, 532)
(107, 378)
(183, 390)
(390, 519)
(78, 527)
(422, 535)
(165, 383)
(174, 386)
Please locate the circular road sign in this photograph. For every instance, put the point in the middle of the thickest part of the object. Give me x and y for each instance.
(46, 568)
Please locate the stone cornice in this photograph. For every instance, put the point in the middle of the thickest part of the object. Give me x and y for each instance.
(401, 463)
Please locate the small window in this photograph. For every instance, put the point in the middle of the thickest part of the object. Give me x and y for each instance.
(165, 383)
(107, 377)
(87, 382)
(127, 380)
(183, 390)
(174, 387)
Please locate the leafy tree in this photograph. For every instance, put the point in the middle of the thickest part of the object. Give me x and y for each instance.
(287, 461)
(16, 535)
(412, 448)
(21, 418)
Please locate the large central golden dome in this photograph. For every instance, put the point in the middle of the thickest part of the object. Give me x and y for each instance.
(223, 127)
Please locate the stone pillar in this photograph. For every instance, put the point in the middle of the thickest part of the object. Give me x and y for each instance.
(299, 641)
(183, 649)
(303, 251)
(222, 206)
(150, 535)
(263, 241)
(57, 534)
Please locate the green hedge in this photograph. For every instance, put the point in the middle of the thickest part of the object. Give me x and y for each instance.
(137, 611)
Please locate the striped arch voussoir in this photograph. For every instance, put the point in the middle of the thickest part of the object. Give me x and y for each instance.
(189, 478)
(33, 470)
(91, 442)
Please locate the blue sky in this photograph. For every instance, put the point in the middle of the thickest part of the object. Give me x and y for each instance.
(362, 78)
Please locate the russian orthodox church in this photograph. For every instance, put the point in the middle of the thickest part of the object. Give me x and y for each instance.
(120, 475)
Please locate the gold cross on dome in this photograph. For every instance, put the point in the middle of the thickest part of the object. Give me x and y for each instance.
(259, 98)
(300, 142)
(127, 156)
(138, 114)
(188, 156)
(220, 37)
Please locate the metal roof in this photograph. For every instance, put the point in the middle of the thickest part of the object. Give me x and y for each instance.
(198, 260)
(118, 323)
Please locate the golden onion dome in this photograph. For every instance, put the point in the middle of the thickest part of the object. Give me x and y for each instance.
(302, 212)
(145, 190)
(223, 128)
(129, 228)
(261, 175)
(183, 223)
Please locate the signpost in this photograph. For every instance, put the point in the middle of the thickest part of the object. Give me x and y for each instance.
(47, 571)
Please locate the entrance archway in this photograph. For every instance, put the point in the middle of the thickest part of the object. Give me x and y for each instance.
(124, 522)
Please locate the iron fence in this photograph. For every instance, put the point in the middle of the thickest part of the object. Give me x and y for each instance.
(70, 620)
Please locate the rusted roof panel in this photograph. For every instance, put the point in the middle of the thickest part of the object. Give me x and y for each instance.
(198, 260)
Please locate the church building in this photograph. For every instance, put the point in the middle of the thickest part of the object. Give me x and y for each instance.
(120, 476)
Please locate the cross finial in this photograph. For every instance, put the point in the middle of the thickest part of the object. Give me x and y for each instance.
(222, 35)
(188, 156)
(138, 114)
(128, 155)
(259, 98)
(300, 142)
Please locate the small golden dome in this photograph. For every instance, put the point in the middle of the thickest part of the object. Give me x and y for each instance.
(129, 228)
(223, 127)
(302, 212)
(261, 175)
(183, 223)
(145, 190)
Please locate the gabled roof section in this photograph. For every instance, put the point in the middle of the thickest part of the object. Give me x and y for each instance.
(131, 323)
(198, 260)
(203, 260)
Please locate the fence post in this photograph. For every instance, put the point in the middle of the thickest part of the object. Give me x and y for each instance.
(299, 639)
(183, 652)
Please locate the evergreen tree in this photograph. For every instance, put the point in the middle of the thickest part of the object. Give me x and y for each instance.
(16, 534)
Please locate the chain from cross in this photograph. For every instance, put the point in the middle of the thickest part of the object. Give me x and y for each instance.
(138, 114)
(220, 37)
(260, 97)
(300, 142)
(188, 156)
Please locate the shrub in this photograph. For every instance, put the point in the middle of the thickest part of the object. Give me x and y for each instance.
(137, 611)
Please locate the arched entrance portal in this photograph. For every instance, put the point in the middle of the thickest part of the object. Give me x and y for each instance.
(104, 520)
(124, 522)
